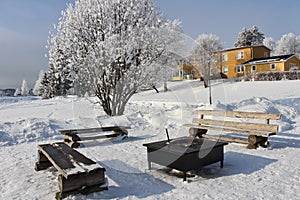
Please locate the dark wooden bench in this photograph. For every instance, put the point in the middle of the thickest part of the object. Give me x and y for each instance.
(255, 125)
(77, 173)
(73, 137)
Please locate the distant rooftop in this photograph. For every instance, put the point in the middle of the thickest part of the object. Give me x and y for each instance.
(229, 49)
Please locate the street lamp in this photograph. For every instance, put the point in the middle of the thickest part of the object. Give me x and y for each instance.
(209, 85)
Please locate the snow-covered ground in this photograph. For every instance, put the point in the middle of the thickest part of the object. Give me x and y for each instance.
(272, 173)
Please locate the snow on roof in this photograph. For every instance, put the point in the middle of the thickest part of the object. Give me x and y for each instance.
(280, 58)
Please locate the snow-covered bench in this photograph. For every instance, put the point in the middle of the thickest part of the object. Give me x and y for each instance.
(233, 123)
(77, 173)
(73, 137)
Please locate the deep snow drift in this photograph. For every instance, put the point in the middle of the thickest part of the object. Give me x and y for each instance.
(272, 173)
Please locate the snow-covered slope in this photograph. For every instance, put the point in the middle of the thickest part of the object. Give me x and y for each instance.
(272, 173)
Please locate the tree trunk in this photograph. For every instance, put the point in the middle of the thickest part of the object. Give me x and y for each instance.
(165, 86)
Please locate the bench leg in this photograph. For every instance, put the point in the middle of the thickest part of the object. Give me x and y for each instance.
(184, 176)
(85, 191)
(42, 163)
(264, 143)
(254, 141)
(149, 165)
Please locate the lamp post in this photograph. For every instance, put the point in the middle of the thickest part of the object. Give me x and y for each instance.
(209, 85)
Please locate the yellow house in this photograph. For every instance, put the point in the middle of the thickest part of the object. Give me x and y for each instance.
(186, 72)
(275, 63)
(237, 62)
(232, 64)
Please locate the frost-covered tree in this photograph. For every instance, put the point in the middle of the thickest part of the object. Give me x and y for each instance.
(207, 44)
(111, 45)
(205, 50)
(250, 37)
(174, 34)
(288, 44)
(17, 92)
(270, 43)
(24, 88)
(48, 88)
(37, 85)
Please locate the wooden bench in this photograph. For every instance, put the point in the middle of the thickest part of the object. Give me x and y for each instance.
(73, 137)
(255, 125)
(77, 173)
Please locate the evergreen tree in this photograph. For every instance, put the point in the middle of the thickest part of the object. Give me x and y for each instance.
(250, 37)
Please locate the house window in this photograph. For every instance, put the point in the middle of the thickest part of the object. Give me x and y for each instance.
(273, 66)
(292, 65)
(225, 69)
(240, 68)
(240, 55)
(253, 68)
(266, 54)
(225, 57)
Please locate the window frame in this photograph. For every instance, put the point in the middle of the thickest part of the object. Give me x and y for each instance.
(225, 57)
(253, 68)
(240, 55)
(271, 66)
(240, 68)
(292, 65)
(225, 71)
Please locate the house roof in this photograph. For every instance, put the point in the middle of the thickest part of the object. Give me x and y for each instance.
(245, 48)
(280, 58)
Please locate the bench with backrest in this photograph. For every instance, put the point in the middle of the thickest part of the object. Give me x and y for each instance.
(255, 125)
(77, 173)
(73, 137)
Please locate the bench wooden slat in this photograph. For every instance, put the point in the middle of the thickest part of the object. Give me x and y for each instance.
(59, 160)
(238, 125)
(239, 114)
(96, 137)
(76, 156)
(228, 139)
(90, 130)
(224, 129)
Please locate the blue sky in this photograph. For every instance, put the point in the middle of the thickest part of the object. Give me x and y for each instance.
(25, 26)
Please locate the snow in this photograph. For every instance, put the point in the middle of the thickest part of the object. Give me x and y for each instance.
(272, 173)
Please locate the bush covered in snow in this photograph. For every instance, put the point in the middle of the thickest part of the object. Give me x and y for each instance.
(273, 76)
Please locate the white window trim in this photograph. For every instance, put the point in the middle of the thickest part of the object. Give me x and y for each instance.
(253, 70)
(225, 71)
(225, 57)
(271, 68)
(240, 55)
(240, 68)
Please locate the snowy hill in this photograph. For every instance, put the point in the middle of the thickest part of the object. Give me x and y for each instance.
(272, 173)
